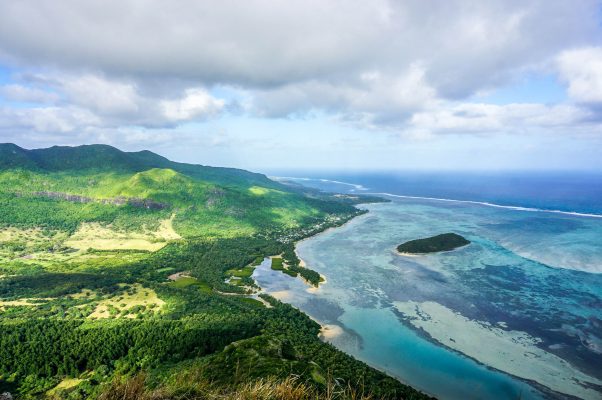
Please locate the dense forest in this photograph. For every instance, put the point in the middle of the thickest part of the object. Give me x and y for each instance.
(126, 275)
(433, 244)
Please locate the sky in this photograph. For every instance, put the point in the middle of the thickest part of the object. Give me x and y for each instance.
(310, 85)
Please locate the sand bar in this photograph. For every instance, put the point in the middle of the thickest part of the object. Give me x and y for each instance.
(513, 352)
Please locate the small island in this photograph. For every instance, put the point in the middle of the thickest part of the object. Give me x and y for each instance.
(433, 244)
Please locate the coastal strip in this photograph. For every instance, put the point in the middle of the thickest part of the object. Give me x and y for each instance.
(302, 262)
(487, 204)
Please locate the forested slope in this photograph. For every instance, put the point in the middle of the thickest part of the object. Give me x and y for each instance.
(123, 267)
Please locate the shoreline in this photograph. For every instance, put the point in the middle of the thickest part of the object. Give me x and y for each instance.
(522, 343)
(488, 204)
(476, 202)
(302, 262)
(329, 331)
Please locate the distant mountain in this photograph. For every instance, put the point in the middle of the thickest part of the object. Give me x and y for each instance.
(94, 181)
(101, 158)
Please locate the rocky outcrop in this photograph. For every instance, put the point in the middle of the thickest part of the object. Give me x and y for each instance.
(117, 201)
(214, 196)
(147, 203)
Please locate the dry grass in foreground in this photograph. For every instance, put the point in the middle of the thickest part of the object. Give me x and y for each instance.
(289, 388)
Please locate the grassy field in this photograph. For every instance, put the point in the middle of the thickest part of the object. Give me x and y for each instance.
(96, 236)
(182, 282)
(135, 301)
(277, 264)
(245, 272)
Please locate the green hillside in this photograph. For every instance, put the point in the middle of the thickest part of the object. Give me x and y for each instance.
(205, 201)
(121, 269)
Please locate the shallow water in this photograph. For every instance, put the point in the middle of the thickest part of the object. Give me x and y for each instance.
(519, 289)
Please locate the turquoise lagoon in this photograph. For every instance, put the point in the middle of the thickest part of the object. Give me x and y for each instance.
(516, 314)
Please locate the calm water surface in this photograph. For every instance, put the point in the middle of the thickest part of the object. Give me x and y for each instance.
(528, 287)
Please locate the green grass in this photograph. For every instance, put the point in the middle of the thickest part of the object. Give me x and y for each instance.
(290, 273)
(188, 281)
(245, 272)
(277, 264)
(204, 287)
(257, 261)
(184, 282)
(253, 302)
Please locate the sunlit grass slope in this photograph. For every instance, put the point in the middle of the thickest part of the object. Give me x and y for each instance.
(207, 202)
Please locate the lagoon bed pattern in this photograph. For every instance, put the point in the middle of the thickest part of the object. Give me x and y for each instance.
(490, 283)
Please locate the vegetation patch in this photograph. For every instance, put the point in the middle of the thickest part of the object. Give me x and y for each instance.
(96, 236)
(433, 244)
(64, 386)
(134, 302)
(185, 281)
(21, 303)
(245, 272)
(28, 244)
(253, 302)
(277, 264)
(258, 190)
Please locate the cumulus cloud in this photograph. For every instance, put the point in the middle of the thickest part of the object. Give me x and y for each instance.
(582, 70)
(378, 64)
(466, 118)
(196, 103)
(53, 120)
(100, 95)
(21, 93)
(267, 43)
(80, 102)
(373, 93)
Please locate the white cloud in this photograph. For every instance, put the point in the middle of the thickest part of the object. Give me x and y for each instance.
(382, 64)
(100, 95)
(72, 102)
(471, 118)
(122, 102)
(196, 103)
(374, 96)
(582, 70)
(52, 120)
(22, 93)
(263, 43)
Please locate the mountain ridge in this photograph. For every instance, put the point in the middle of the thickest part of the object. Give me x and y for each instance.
(104, 157)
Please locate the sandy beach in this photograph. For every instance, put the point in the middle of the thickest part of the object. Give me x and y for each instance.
(399, 253)
(282, 295)
(330, 331)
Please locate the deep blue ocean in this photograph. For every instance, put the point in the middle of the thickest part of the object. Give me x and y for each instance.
(515, 314)
(565, 191)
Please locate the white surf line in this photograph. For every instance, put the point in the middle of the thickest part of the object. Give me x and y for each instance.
(355, 185)
(484, 203)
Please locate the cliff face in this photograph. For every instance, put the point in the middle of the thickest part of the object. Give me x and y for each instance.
(117, 201)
